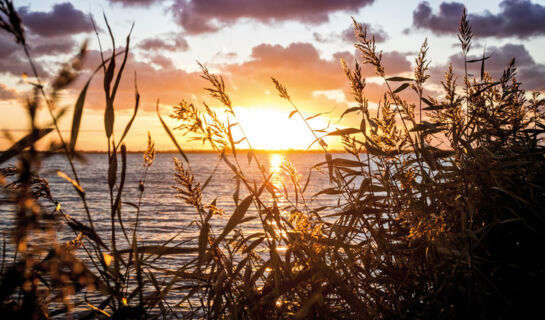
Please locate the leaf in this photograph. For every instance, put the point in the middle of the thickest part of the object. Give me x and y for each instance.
(342, 132)
(203, 242)
(170, 133)
(24, 143)
(424, 125)
(112, 169)
(479, 60)
(377, 151)
(485, 88)
(343, 162)
(401, 88)
(511, 194)
(254, 244)
(426, 101)
(122, 67)
(72, 181)
(129, 124)
(349, 110)
(78, 112)
(363, 126)
(331, 191)
(239, 141)
(399, 79)
(433, 108)
(109, 118)
(236, 217)
(292, 113)
(314, 116)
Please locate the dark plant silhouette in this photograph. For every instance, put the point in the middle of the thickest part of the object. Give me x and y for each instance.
(439, 214)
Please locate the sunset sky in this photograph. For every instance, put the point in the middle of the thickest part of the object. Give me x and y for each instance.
(298, 42)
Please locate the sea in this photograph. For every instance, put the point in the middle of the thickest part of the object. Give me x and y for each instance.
(162, 212)
(164, 216)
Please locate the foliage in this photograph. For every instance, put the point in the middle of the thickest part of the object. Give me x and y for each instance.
(439, 215)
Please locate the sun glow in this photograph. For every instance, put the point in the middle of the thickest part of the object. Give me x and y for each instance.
(272, 130)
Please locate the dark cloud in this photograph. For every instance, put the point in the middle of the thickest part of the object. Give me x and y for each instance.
(158, 44)
(517, 18)
(349, 36)
(209, 16)
(7, 93)
(38, 46)
(135, 3)
(13, 60)
(59, 46)
(529, 72)
(62, 20)
(7, 46)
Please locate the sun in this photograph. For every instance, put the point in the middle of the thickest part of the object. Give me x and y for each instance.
(270, 129)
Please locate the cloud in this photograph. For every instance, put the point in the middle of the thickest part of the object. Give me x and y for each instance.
(162, 61)
(517, 18)
(7, 93)
(13, 60)
(298, 66)
(38, 46)
(301, 69)
(60, 46)
(135, 3)
(62, 20)
(349, 36)
(529, 72)
(157, 44)
(159, 79)
(7, 46)
(209, 16)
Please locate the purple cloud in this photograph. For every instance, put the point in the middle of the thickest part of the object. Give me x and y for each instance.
(135, 3)
(62, 20)
(517, 18)
(158, 44)
(209, 16)
(349, 36)
(529, 72)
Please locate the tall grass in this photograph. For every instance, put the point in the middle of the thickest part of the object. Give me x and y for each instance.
(439, 215)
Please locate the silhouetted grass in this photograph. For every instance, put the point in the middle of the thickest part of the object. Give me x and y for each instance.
(420, 230)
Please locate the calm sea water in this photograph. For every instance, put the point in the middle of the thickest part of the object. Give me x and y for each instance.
(163, 215)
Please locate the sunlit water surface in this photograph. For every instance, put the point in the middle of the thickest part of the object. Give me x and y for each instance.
(163, 215)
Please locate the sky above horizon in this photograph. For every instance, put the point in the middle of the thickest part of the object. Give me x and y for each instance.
(298, 42)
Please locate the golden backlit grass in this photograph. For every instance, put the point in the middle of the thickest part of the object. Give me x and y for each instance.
(420, 230)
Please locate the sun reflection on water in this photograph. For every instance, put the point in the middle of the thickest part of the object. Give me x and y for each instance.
(275, 168)
(275, 162)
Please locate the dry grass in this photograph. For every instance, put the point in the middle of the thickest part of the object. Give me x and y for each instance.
(420, 230)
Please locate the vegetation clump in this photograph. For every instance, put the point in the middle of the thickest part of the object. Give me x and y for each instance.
(440, 211)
